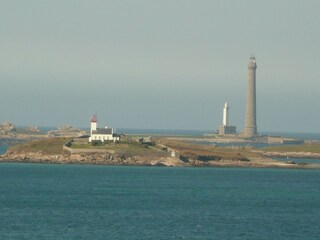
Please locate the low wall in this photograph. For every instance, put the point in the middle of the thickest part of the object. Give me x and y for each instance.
(173, 153)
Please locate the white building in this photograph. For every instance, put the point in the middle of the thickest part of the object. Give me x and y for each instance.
(225, 128)
(101, 134)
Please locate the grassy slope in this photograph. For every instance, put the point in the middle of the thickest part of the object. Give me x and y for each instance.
(55, 146)
(135, 149)
(189, 149)
(46, 146)
(126, 149)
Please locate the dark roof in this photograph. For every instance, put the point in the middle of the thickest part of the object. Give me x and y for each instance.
(103, 131)
(84, 136)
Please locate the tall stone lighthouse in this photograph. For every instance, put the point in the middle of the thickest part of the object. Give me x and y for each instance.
(250, 128)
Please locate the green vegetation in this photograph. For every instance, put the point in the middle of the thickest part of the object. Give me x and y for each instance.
(136, 149)
(97, 143)
(166, 136)
(86, 146)
(46, 146)
(307, 147)
(196, 151)
(125, 148)
(52, 146)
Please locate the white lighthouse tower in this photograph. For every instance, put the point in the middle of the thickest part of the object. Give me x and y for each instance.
(93, 126)
(225, 128)
(225, 121)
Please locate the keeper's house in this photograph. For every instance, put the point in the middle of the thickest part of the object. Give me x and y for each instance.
(101, 134)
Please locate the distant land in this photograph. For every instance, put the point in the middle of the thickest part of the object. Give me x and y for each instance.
(68, 144)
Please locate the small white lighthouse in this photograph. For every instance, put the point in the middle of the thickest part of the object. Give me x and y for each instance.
(101, 134)
(93, 126)
(225, 128)
(225, 121)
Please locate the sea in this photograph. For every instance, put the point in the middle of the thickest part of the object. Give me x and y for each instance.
(3, 149)
(52, 201)
(42, 201)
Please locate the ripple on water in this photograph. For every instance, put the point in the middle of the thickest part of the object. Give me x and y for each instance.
(103, 202)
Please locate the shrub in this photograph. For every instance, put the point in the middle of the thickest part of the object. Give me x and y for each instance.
(96, 143)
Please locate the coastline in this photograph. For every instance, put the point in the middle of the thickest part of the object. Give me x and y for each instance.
(289, 154)
(106, 159)
(169, 151)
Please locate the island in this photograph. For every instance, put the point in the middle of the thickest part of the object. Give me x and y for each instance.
(155, 151)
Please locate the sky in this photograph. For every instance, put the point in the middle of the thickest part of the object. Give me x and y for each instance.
(152, 64)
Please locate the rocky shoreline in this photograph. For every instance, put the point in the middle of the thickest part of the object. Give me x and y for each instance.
(109, 159)
(88, 158)
(290, 154)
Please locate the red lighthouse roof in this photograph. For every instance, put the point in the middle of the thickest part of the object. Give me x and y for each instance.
(94, 118)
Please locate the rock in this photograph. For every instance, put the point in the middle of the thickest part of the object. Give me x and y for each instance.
(7, 129)
(33, 129)
(66, 131)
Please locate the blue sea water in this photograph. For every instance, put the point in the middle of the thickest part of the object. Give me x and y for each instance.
(163, 131)
(3, 149)
(300, 160)
(302, 136)
(299, 135)
(103, 202)
(235, 144)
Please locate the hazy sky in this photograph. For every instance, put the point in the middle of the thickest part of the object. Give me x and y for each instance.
(162, 64)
